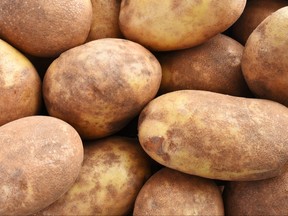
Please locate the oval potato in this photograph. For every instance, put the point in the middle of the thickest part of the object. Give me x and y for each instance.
(20, 85)
(40, 159)
(113, 172)
(263, 197)
(173, 24)
(216, 136)
(102, 85)
(264, 63)
(212, 66)
(170, 192)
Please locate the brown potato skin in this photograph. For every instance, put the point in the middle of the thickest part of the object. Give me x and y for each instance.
(254, 13)
(216, 136)
(105, 20)
(170, 192)
(102, 85)
(113, 172)
(173, 24)
(213, 66)
(264, 197)
(264, 63)
(51, 27)
(41, 157)
(20, 85)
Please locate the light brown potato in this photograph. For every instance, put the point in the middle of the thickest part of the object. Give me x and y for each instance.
(105, 19)
(264, 63)
(173, 24)
(40, 159)
(263, 197)
(213, 66)
(102, 85)
(215, 135)
(45, 27)
(20, 85)
(254, 13)
(169, 192)
(113, 172)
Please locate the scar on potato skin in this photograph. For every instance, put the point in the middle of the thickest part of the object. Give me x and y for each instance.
(154, 144)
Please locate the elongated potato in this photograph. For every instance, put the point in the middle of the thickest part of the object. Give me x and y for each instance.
(40, 159)
(113, 172)
(169, 192)
(263, 197)
(174, 24)
(213, 66)
(216, 136)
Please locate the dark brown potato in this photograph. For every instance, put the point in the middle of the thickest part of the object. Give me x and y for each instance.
(45, 27)
(102, 85)
(254, 13)
(264, 63)
(20, 85)
(216, 136)
(113, 172)
(169, 192)
(265, 197)
(213, 66)
(40, 159)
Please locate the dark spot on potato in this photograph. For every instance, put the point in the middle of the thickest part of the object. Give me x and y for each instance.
(111, 158)
(155, 145)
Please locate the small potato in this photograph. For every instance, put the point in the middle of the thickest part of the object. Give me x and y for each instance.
(113, 172)
(169, 192)
(258, 198)
(102, 85)
(40, 159)
(213, 66)
(254, 13)
(215, 135)
(20, 85)
(174, 24)
(264, 63)
(105, 19)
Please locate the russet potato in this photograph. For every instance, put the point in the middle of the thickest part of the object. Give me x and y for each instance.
(40, 159)
(173, 24)
(20, 85)
(170, 192)
(216, 136)
(264, 63)
(212, 66)
(102, 85)
(113, 172)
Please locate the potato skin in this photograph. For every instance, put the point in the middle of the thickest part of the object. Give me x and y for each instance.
(202, 133)
(213, 66)
(170, 192)
(173, 24)
(20, 85)
(113, 172)
(254, 13)
(264, 63)
(263, 197)
(41, 158)
(102, 85)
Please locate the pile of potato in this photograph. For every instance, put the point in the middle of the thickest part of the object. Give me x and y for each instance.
(143, 107)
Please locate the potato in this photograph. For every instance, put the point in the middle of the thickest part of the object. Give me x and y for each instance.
(169, 192)
(102, 85)
(264, 63)
(40, 159)
(105, 19)
(20, 85)
(45, 28)
(172, 25)
(113, 172)
(213, 66)
(263, 197)
(216, 136)
(254, 13)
